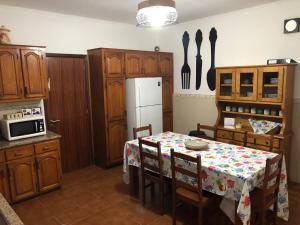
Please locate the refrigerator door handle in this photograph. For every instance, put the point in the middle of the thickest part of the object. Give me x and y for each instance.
(139, 96)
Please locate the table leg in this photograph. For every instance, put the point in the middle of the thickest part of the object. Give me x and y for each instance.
(237, 218)
(134, 180)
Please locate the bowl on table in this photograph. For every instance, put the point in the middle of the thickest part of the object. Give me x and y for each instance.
(196, 145)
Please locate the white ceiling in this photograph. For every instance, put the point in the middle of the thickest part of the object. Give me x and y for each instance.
(125, 10)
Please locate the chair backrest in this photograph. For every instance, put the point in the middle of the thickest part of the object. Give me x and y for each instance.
(261, 141)
(176, 168)
(136, 130)
(272, 181)
(156, 157)
(206, 127)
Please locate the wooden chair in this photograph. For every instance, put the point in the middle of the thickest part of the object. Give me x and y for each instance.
(260, 141)
(185, 191)
(262, 199)
(136, 130)
(151, 172)
(206, 127)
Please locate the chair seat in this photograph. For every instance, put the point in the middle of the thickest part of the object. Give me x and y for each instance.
(191, 196)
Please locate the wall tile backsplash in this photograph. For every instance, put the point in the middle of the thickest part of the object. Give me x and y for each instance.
(17, 106)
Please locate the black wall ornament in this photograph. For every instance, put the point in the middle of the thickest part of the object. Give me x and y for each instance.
(211, 74)
(185, 70)
(198, 40)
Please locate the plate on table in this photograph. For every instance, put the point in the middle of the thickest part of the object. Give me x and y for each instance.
(196, 145)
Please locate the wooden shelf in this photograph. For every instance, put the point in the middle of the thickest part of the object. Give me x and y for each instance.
(226, 85)
(246, 85)
(271, 85)
(250, 114)
(249, 102)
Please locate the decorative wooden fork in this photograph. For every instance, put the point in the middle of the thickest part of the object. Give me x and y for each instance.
(185, 70)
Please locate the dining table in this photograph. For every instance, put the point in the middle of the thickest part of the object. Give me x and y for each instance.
(228, 170)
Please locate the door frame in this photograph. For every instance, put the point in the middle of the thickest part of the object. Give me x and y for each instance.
(88, 88)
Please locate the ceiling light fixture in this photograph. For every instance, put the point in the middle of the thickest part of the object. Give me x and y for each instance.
(156, 13)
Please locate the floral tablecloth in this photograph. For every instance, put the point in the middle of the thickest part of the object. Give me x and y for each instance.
(227, 170)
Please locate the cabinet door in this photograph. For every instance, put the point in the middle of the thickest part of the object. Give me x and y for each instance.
(168, 121)
(22, 178)
(150, 64)
(114, 64)
(115, 99)
(34, 73)
(246, 84)
(117, 136)
(167, 92)
(49, 170)
(133, 64)
(11, 85)
(270, 84)
(165, 64)
(4, 190)
(225, 84)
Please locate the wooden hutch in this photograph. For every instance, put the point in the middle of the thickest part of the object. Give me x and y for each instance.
(258, 88)
(109, 69)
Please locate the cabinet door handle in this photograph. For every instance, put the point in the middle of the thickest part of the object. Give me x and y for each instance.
(46, 148)
(54, 121)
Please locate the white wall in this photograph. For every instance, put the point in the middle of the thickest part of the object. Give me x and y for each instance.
(245, 37)
(72, 34)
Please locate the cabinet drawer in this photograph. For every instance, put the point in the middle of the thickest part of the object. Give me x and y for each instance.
(258, 141)
(232, 142)
(2, 157)
(19, 152)
(224, 140)
(239, 137)
(225, 134)
(46, 146)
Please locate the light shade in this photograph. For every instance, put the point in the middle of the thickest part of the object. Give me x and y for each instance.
(156, 13)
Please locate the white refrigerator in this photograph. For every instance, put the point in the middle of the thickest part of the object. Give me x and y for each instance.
(144, 104)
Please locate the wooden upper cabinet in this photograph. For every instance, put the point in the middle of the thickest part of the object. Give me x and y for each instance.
(167, 93)
(22, 178)
(133, 64)
(4, 190)
(49, 171)
(34, 73)
(115, 99)
(225, 84)
(270, 84)
(11, 85)
(246, 84)
(165, 64)
(150, 64)
(117, 136)
(114, 64)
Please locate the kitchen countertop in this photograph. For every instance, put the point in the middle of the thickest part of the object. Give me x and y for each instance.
(4, 144)
(9, 215)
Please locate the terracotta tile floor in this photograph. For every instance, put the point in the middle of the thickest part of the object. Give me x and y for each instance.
(93, 196)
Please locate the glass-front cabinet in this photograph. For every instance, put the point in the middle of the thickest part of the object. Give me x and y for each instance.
(225, 84)
(246, 84)
(270, 84)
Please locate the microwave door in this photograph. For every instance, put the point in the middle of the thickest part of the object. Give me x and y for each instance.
(23, 128)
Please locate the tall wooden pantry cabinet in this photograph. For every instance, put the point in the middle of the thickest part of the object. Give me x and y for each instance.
(109, 69)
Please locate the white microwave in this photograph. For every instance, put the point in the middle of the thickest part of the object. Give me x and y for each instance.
(23, 128)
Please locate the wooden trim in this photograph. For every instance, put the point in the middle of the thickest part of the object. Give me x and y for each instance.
(65, 55)
(250, 66)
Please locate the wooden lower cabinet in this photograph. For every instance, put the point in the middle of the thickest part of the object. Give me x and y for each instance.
(22, 178)
(49, 171)
(4, 189)
(167, 121)
(34, 169)
(117, 136)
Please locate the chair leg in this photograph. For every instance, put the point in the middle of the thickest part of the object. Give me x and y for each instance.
(152, 189)
(199, 215)
(162, 198)
(143, 191)
(174, 209)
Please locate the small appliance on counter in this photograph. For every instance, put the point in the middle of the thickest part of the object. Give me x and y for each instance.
(15, 129)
